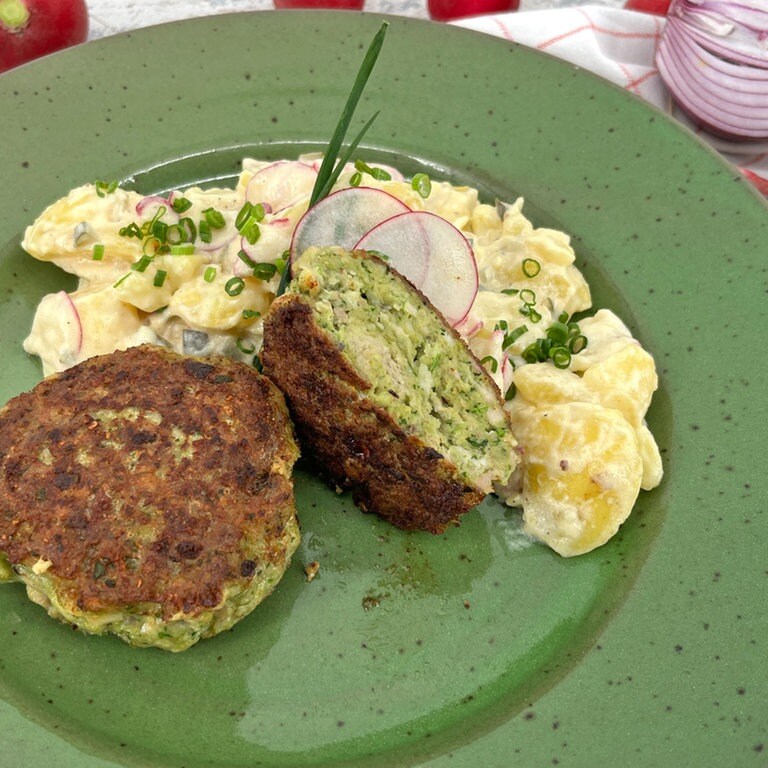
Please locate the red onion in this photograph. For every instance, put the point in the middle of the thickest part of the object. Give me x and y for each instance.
(713, 58)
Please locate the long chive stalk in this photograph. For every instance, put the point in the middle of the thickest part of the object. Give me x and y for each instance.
(333, 159)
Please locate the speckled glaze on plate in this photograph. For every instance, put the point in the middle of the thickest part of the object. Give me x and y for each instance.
(475, 648)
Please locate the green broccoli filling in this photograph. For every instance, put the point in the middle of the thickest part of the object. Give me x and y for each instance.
(423, 375)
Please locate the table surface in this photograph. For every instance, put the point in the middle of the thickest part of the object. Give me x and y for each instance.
(112, 16)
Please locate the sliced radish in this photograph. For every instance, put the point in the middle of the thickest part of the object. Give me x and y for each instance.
(148, 207)
(220, 238)
(273, 242)
(469, 326)
(507, 374)
(343, 218)
(433, 255)
(281, 185)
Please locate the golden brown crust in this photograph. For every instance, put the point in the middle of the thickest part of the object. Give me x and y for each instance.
(358, 444)
(147, 477)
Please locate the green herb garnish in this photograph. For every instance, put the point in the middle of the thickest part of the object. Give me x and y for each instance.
(181, 204)
(331, 166)
(104, 188)
(531, 267)
(234, 286)
(422, 184)
(333, 161)
(492, 361)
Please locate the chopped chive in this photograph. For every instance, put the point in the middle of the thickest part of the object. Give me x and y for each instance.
(189, 229)
(560, 356)
(104, 188)
(160, 230)
(257, 363)
(131, 230)
(502, 325)
(160, 276)
(245, 346)
(174, 234)
(529, 311)
(234, 286)
(250, 314)
(181, 204)
(264, 271)
(215, 219)
(151, 246)
(558, 332)
(531, 267)
(98, 252)
(577, 344)
(511, 291)
(512, 337)
(142, 264)
(159, 213)
(531, 354)
(377, 173)
(251, 230)
(184, 249)
(243, 215)
(422, 184)
(246, 259)
(355, 179)
(210, 274)
(527, 296)
(122, 280)
(511, 392)
(204, 228)
(491, 361)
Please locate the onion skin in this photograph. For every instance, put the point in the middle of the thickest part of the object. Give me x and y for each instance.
(713, 58)
(49, 26)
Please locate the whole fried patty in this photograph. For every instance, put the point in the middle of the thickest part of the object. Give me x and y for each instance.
(384, 394)
(148, 494)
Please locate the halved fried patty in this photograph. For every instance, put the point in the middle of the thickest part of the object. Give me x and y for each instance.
(384, 393)
(148, 494)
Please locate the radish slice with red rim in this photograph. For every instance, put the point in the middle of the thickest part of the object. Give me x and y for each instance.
(147, 208)
(274, 240)
(433, 255)
(469, 326)
(343, 218)
(281, 185)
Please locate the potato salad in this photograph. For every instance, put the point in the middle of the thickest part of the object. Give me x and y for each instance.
(196, 271)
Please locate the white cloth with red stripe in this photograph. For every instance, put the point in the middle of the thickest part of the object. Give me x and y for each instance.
(620, 46)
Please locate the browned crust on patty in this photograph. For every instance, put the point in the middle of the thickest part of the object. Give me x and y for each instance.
(130, 512)
(357, 443)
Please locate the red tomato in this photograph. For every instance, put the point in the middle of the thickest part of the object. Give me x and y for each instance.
(32, 28)
(446, 10)
(659, 7)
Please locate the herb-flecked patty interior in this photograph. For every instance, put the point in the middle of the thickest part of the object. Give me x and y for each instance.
(416, 365)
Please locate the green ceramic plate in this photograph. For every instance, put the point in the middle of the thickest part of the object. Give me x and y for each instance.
(476, 648)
